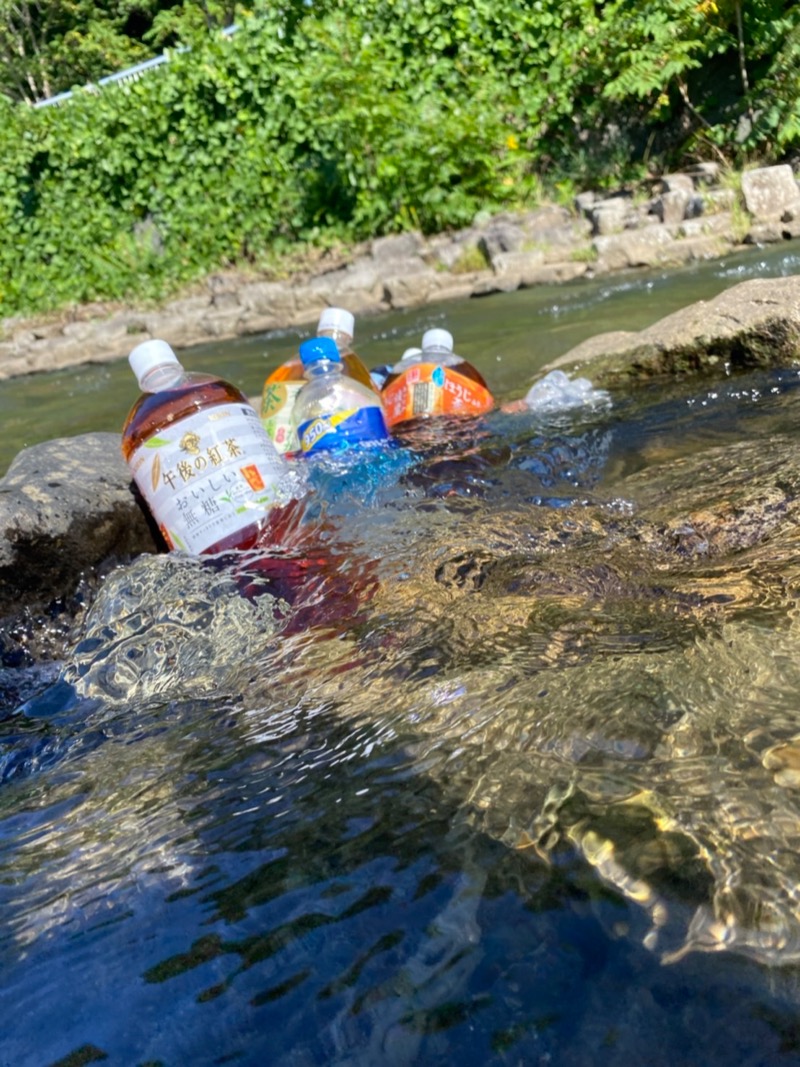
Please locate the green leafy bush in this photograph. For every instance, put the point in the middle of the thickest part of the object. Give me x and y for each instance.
(353, 118)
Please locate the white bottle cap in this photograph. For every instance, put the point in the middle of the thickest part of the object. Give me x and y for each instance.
(337, 319)
(148, 355)
(437, 339)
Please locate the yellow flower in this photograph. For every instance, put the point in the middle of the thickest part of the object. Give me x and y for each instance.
(707, 7)
(512, 142)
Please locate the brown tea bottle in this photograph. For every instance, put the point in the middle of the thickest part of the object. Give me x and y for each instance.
(200, 456)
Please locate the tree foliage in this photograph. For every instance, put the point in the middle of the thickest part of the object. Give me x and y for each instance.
(47, 46)
(345, 119)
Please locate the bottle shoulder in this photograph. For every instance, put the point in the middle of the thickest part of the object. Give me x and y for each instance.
(292, 370)
(339, 388)
(451, 361)
(329, 395)
(435, 359)
(192, 393)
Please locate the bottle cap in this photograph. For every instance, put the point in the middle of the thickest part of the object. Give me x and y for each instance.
(148, 355)
(317, 348)
(437, 339)
(337, 319)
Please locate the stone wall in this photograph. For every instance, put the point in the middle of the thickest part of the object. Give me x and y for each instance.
(683, 217)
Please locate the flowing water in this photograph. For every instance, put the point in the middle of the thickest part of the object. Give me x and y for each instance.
(499, 766)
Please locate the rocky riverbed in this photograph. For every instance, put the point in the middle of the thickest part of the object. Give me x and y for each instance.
(67, 509)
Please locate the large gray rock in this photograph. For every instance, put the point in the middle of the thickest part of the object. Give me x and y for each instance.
(672, 183)
(357, 287)
(407, 290)
(720, 225)
(671, 207)
(501, 237)
(523, 270)
(65, 506)
(543, 222)
(608, 216)
(517, 263)
(635, 248)
(771, 193)
(388, 251)
(273, 301)
(449, 250)
(753, 324)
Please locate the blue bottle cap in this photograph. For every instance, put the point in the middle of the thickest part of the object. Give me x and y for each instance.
(317, 348)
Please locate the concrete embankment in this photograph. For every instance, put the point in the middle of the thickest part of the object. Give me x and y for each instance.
(680, 218)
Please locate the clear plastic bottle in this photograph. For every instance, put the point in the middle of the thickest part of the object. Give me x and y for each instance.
(199, 455)
(433, 380)
(282, 385)
(334, 411)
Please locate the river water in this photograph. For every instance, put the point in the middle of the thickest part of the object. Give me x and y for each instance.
(507, 336)
(507, 775)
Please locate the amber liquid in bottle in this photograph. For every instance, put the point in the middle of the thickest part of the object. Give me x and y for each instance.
(192, 392)
(292, 371)
(466, 370)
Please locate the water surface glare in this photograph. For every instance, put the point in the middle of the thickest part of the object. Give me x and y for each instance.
(504, 771)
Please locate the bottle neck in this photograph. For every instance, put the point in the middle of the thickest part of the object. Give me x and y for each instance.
(164, 376)
(437, 354)
(342, 340)
(320, 367)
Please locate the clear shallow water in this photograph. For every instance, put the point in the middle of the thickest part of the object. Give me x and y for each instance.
(518, 739)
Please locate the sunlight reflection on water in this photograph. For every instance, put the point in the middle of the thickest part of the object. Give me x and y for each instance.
(515, 755)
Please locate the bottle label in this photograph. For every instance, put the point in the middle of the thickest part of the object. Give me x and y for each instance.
(208, 475)
(277, 407)
(432, 389)
(351, 427)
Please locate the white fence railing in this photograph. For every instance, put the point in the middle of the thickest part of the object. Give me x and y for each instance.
(129, 74)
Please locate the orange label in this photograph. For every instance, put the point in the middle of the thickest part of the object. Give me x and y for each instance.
(430, 389)
(253, 476)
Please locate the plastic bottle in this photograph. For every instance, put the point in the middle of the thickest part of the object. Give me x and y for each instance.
(434, 381)
(282, 385)
(381, 373)
(334, 411)
(411, 355)
(198, 453)
(557, 392)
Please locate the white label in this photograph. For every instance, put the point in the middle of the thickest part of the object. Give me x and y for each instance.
(208, 475)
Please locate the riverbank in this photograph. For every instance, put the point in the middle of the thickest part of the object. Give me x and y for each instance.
(699, 214)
